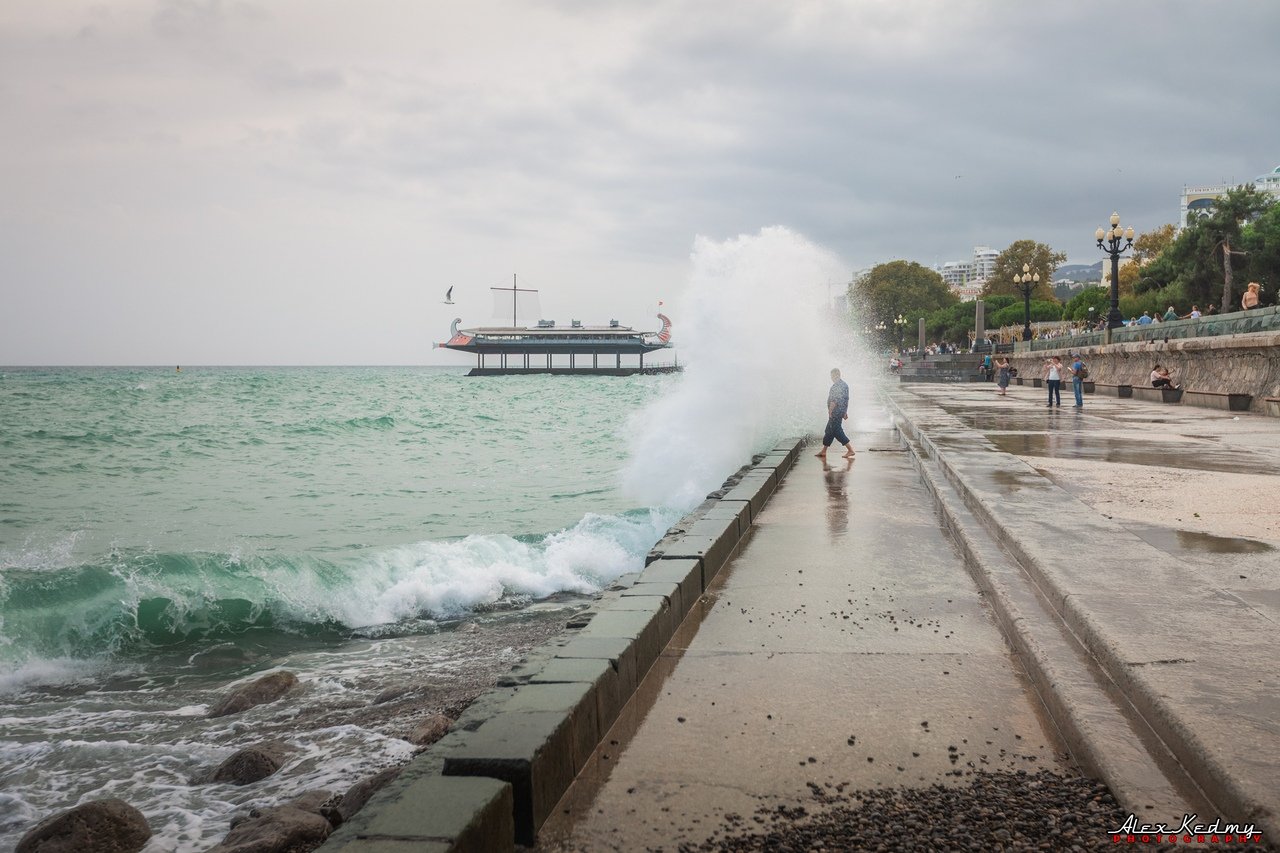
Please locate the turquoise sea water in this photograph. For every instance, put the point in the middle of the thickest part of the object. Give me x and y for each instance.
(143, 508)
(335, 522)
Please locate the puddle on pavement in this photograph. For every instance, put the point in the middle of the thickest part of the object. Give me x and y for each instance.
(1111, 449)
(1180, 541)
(1009, 482)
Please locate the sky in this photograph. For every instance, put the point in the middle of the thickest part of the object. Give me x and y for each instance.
(299, 181)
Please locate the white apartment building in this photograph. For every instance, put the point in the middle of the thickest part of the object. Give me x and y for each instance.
(1202, 198)
(956, 273)
(984, 262)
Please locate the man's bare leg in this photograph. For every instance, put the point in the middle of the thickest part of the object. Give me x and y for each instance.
(822, 454)
(848, 451)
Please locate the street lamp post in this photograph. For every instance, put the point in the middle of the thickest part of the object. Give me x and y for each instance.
(1110, 243)
(1026, 283)
(901, 323)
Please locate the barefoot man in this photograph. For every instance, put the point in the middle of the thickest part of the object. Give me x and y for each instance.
(837, 411)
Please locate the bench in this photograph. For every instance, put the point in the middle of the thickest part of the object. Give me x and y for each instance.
(1272, 406)
(1112, 389)
(1220, 400)
(1158, 395)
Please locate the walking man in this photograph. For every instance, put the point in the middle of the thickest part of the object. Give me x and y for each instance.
(1078, 373)
(837, 411)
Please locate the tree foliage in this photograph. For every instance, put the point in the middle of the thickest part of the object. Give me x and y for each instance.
(1097, 298)
(1194, 265)
(1150, 244)
(1015, 315)
(1040, 258)
(954, 323)
(899, 287)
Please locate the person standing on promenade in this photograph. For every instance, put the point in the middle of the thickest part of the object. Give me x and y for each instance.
(1250, 297)
(1078, 373)
(837, 411)
(1002, 376)
(1053, 378)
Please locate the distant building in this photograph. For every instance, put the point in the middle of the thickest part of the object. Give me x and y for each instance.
(956, 273)
(984, 262)
(1202, 198)
(969, 292)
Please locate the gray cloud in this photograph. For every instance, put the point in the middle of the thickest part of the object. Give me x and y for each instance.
(305, 178)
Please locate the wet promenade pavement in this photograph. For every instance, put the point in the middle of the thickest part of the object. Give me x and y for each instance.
(907, 622)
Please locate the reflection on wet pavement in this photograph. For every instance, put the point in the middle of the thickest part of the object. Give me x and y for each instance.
(1079, 445)
(1180, 541)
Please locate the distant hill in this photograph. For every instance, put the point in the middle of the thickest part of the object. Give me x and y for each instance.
(1079, 272)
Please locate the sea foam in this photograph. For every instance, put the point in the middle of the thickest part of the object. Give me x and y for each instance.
(755, 336)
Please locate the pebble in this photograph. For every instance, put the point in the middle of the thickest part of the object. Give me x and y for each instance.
(994, 811)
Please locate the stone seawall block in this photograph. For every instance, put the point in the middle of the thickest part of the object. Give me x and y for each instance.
(599, 673)
(710, 540)
(434, 813)
(754, 490)
(641, 628)
(686, 573)
(740, 510)
(781, 462)
(531, 750)
(668, 621)
(576, 700)
(618, 651)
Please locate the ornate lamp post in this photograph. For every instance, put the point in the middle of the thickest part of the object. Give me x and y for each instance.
(901, 323)
(1110, 243)
(1026, 283)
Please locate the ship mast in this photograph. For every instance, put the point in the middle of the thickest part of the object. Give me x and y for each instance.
(514, 291)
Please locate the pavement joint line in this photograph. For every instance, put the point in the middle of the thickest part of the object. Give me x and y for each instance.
(1084, 729)
(1154, 705)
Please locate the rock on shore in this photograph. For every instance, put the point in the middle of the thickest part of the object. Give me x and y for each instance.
(269, 688)
(101, 826)
(252, 763)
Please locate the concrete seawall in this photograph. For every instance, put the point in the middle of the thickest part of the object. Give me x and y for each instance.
(1234, 364)
(494, 779)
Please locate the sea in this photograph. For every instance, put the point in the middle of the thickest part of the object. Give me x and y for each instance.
(397, 537)
(167, 534)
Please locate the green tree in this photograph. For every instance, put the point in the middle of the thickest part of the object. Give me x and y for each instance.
(1097, 298)
(1040, 258)
(1014, 315)
(899, 287)
(1225, 222)
(1261, 243)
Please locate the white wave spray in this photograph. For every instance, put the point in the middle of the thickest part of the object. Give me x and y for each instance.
(755, 339)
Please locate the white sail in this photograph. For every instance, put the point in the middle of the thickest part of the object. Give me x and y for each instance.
(527, 309)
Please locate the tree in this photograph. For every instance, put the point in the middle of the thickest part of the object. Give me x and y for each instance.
(1040, 258)
(1015, 315)
(1097, 298)
(1151, 244)
(1224, 223)
(1261, 241)
(899, 287)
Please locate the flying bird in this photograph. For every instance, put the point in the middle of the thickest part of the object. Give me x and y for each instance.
(448, 296)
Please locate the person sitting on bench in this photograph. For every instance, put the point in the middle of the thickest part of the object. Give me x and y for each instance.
(1160, 378)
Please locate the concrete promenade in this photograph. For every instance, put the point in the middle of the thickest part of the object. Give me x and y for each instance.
(1126, 554)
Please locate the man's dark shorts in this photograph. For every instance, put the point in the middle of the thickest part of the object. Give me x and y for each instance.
(835, 431)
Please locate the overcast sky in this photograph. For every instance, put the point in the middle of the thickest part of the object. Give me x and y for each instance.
(299, 181)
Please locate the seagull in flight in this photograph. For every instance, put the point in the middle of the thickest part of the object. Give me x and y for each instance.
(448, 296)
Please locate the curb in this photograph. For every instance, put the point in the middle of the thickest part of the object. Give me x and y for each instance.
(1174, 735)
(493, 780)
